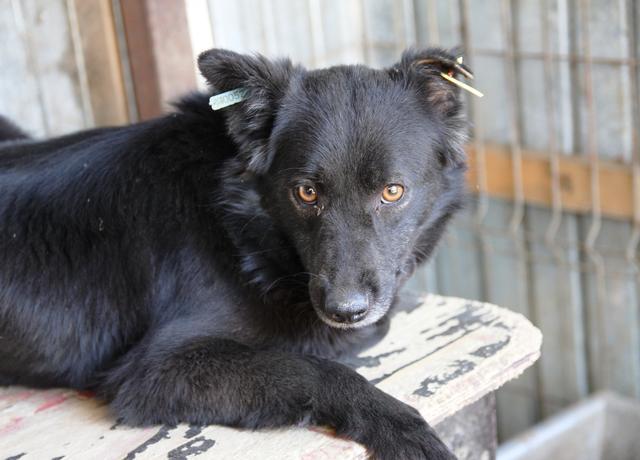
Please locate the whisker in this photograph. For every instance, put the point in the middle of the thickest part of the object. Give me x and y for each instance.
(262, 251)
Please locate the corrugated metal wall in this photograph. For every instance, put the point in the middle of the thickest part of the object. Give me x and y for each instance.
(559, 76)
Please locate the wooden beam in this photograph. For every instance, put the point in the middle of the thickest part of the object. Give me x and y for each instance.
(102, 62)
(616, 181)
(157, 35)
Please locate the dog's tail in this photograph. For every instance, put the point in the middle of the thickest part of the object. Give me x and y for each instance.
(9, 131)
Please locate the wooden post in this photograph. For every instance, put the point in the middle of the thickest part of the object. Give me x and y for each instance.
(157, 35)
(102, 62)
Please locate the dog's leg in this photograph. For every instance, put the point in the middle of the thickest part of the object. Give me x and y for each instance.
(206, 380)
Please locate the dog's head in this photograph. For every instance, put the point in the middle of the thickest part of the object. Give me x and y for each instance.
(359, 169)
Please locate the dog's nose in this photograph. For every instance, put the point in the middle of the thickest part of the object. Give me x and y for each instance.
(348, 309)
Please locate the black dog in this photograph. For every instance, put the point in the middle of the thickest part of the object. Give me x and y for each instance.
(203, 266)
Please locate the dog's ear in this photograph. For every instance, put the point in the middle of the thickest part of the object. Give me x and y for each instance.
(422, 70)
(265, 83)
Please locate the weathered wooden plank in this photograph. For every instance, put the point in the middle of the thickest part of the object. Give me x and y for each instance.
(160, 53)
(339, 37)
(439, 357)
(102, 61)
(19, 88)
(44, 70)
(275, 28)
(200, 33)
(291, 29)
(616, 181)
(227, 28)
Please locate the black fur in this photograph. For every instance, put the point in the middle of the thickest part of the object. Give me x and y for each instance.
(9, 131)
(170, 265)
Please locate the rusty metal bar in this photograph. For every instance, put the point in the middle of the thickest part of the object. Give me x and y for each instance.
(554, 154)
(514, 125)
(592, 253)
(592, 142)
(634, 239)
(477, 131)
(477, 128)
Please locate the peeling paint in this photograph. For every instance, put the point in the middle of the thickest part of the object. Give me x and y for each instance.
(192, 448)
(163, 433)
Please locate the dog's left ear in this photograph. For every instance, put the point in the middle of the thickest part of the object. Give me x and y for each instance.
(422, 70)
(265, 83)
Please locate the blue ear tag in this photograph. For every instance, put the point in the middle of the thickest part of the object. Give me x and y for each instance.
(222, 100)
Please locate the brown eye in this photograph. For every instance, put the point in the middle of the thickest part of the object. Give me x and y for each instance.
(392, 193)
(307, 194)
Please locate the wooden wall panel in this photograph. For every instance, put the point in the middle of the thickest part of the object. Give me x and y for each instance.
(160, 53)
(64, 65)
(20, 97)
(42, 91)
(102, 61)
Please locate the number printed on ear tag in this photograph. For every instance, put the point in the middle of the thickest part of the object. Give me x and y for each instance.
(222, 100)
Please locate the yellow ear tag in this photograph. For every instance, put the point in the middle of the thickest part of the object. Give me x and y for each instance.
(462, 85)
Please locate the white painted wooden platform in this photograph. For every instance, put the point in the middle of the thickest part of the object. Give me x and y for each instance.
(439, 357)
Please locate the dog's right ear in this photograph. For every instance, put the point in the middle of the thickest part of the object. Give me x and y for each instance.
(265, 82)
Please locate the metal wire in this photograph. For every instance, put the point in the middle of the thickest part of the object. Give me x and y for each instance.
(514, 126)
(482, 207)
(554, 155)
(594, 159)
(598, 321)
(634, 239)
(477, 132)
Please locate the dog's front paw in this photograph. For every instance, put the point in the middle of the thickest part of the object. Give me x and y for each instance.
(385, 426)
(400, 433)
